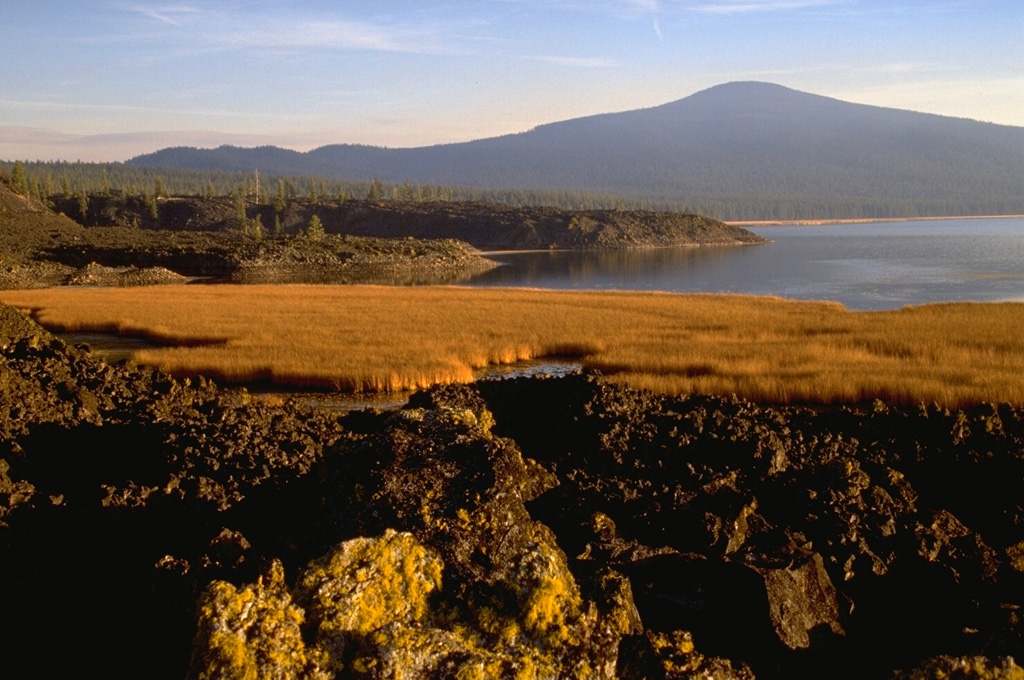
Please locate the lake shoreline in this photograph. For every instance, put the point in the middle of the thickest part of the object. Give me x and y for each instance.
(864, 220)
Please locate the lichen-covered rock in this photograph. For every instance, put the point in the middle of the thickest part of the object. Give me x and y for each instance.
(964, 668)
(367, 609)
(437, 471)
(672, 656)
(369, 583)
(252, 632)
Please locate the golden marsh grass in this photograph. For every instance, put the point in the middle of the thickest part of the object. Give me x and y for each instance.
(369, 338)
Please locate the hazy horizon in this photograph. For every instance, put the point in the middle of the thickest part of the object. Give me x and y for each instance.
(107, 80)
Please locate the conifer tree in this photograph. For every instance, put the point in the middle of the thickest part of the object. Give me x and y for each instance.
(376, 192)
(18, 178)
(279, 203)
(315, 229)
(83, 203)
(258, 231)
(48, 185)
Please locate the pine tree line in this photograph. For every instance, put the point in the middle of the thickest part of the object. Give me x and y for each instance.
(47, 180)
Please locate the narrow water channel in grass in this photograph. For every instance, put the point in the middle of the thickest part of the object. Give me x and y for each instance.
(118, 348)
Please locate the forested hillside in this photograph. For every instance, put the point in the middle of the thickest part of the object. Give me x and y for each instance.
(741, 151)
(735, 151)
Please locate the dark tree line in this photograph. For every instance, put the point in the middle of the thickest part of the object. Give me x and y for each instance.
(47, 180)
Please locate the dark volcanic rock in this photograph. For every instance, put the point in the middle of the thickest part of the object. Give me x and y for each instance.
(523, 528)
(817, 532)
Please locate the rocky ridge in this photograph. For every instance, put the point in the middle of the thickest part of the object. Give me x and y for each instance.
(483, 225)
(39, 247)
(530, 528)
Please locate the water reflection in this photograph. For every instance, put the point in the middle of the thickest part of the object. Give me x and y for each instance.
(863, 266)
(641, 269)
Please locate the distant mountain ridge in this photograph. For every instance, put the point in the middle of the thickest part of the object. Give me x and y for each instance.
(759, 143)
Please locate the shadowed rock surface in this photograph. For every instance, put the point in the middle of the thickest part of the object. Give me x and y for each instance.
(540, 528)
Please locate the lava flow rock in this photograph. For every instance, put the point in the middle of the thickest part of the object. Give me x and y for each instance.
(544, 528)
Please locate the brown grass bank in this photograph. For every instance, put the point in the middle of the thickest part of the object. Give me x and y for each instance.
(367, 338)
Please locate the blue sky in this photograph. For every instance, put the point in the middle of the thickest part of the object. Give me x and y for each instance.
(109, 79)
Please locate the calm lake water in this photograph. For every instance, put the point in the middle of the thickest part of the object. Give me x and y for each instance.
(882, 265)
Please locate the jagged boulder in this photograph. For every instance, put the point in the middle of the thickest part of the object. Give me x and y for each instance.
(371, 608)
(436, 470)
(252, 632)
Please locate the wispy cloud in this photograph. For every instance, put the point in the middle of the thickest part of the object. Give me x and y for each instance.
(175, 15)
(647, 6)
(228, 114)
(260, 27)
(731, 7)
(581, 62)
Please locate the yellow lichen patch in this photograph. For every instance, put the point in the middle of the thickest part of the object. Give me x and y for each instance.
(251, 632)
(677, 657)
(549, 597)
(1015, 553)
(367, 583)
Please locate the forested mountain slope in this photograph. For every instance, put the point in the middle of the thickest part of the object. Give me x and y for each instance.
(780, 152)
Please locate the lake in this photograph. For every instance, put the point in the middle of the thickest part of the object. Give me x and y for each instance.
(880, 265)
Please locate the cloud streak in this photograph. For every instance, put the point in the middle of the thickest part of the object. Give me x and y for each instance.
(729, 7)
(580, 62)
(253, 28)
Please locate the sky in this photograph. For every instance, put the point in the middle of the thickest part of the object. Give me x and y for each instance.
(105, 80)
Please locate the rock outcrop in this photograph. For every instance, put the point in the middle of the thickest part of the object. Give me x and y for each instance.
(483, 225)
(531, 528)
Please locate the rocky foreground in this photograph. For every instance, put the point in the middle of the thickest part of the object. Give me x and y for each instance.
(531, 528)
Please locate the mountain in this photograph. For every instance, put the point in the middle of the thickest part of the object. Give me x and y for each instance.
(743, 141)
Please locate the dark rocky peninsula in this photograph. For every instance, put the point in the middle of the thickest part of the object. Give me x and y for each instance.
(39, 247)
(529, 528)
(120, 240)
(483, 225)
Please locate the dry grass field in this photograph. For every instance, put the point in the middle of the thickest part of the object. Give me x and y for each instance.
(366, 338)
